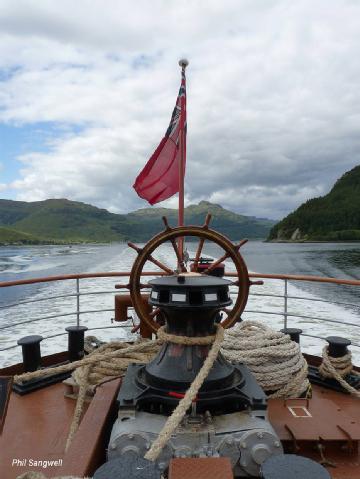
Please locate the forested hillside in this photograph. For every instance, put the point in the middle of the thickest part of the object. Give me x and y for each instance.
(61, 220)
(333, 217)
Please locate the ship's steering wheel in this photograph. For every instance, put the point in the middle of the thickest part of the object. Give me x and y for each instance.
(204, 233)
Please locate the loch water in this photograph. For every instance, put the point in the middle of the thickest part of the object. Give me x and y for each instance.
(340, 260)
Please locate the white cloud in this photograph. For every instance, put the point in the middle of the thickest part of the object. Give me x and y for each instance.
(273, 96)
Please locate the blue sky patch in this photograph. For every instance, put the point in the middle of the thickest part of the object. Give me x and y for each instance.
(20, 140)
(7, 73)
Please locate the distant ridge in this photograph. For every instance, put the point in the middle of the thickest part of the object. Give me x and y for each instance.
(333, 217)
(10, 236)
(65, 221)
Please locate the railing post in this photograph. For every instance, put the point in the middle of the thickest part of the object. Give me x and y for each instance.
(77, 302)
(285, 302)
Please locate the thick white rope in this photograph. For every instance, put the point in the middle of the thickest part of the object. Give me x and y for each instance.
(184, 340)
(180, 410)
(275, 360)
(338, 368)
(107, 355)
(80, 402)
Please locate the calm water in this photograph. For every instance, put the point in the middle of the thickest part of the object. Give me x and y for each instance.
(340, 260)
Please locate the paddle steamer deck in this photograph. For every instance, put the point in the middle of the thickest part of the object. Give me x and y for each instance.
(325, 428)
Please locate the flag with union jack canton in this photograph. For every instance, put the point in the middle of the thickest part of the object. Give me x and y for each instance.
(159, 179)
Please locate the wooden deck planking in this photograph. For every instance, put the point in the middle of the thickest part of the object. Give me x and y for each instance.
(37, 426)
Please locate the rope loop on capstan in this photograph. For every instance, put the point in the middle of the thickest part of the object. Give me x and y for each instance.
(185, 340)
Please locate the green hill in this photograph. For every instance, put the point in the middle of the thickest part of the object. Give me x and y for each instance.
(233, 225)
(10, 236)
(333, 217)
(61, 220)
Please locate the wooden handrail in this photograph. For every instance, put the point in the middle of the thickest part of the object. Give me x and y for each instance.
(316, 279)
(48, 279)
(109, 274)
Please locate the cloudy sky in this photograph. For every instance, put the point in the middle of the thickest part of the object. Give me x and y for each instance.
(87, 89)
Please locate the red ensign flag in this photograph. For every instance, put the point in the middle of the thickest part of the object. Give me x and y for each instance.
(160, 177)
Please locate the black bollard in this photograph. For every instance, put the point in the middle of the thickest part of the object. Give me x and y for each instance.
(31, 352)
(76, 342)
(294, 333)
(338, 346)
(336, 349)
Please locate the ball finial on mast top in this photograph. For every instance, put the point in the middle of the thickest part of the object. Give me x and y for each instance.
(183, 62)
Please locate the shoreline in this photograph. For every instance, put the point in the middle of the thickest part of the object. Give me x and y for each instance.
(77, 243)
(312, 241)
(69, 243)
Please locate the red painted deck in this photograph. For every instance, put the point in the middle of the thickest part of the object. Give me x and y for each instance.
(37, 425)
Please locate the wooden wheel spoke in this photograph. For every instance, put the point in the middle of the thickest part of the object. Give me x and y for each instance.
(153, 260)
(134, 246)
(201, 242)
(224, 256)
(122, 286)
(239, 245)
(160, 265)
(178, 256)
(198, 253)
(217, 262)
(207, 221)
(166, 224)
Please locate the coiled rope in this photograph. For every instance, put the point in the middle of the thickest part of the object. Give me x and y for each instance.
(275, 360)
(338, 368)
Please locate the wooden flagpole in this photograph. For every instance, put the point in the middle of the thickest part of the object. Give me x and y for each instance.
(183, 64)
